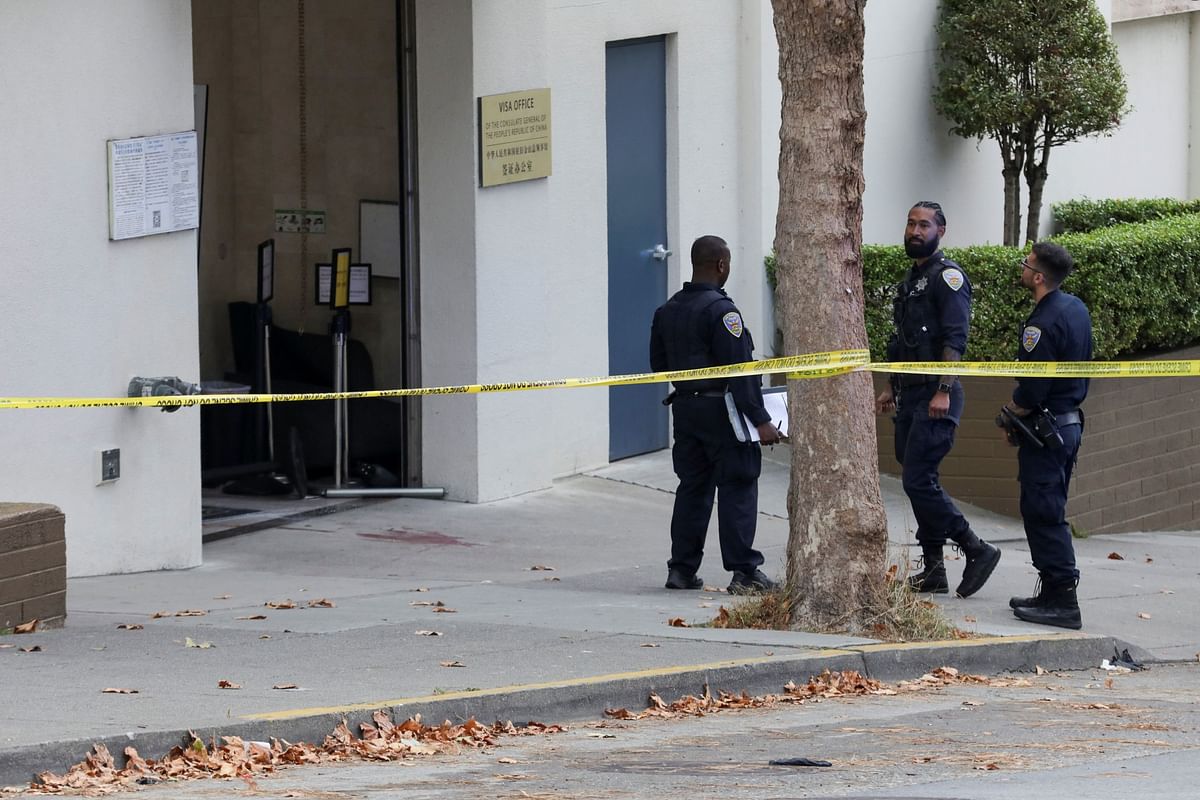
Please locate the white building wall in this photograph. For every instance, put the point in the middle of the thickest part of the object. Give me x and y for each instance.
(540, 269)
(82, 314)
(910, 155)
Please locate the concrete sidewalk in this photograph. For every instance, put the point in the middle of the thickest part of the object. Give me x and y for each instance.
(553, 609)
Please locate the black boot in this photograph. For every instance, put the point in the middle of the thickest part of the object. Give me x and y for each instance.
(1059, 606)
(1039, 592)
(933, 577)
(982, 558)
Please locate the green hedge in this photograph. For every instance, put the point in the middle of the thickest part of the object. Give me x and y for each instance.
(1140, 282)
(1081, 216)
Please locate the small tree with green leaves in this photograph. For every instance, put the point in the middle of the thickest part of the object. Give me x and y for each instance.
(1031, 74)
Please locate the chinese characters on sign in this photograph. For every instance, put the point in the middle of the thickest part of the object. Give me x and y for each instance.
(153, 186)
(514, 137)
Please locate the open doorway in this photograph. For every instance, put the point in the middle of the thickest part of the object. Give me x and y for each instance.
(308, 142)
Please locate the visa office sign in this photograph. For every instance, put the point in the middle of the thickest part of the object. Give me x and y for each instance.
(514, 137)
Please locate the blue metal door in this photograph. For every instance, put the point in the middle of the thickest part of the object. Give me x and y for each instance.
(635, 105)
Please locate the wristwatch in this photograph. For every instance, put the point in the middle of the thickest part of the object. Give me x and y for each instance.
(945, 387)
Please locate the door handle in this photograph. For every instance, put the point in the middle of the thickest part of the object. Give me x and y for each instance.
(660, 253)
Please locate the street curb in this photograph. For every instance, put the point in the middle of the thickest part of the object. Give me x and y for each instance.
(587, 698)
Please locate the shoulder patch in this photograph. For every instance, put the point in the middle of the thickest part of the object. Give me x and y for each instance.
(1030, 338)
(953, 278)
(733, 323)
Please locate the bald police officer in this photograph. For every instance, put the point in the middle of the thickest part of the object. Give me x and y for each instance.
(1059, 329)
(932, 312)
(701, 327)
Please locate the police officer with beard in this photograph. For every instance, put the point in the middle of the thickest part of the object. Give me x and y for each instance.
(701, 327)
(932, 312)
(1059, 329)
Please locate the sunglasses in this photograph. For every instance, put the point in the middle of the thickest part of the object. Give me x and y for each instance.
(1026, 265)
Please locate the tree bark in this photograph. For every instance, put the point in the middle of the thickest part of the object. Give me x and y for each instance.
(837, 546)
(1036, 173)
(1012, 204)
(1012, 154)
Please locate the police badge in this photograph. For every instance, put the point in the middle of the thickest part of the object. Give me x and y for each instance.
(921, 284)
(733, 323)
(1030, 338)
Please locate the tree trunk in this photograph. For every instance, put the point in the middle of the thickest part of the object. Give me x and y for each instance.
(1035, 178)
(1012, 205)
(837, 546)
(1012, 153)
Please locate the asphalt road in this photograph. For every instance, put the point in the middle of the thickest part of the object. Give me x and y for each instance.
(1090, 734)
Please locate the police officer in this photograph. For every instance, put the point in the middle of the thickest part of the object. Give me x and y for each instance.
(701, 327)
(1059, 329)
(931, 312)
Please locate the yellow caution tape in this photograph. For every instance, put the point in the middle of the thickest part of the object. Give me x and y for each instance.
(1045, 369)
(814, 364)
(809, 366)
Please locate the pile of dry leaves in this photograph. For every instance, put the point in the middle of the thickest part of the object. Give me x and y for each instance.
(847, 683)
(382, 740)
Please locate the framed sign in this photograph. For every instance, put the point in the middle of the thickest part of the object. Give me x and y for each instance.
(379, 237)
(359, 287)
(266, 271)
(514, 137)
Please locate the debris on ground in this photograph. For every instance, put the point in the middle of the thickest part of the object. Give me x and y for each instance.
(233, 757)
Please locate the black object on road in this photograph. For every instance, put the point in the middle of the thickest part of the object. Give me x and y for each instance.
(799, 762)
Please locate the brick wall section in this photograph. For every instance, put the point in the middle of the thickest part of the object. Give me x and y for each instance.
(1139, 467)
(33, 564)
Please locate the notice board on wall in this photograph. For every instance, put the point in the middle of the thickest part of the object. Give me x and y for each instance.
(153, 185)
(379, 237)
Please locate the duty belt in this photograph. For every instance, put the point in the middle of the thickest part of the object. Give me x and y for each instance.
(908, 381)
(1068, 418)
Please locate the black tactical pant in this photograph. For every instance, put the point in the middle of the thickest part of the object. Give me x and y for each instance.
(711, 462)
(1045, 475)
(921, 444)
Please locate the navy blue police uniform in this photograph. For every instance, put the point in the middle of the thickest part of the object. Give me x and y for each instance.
(931, 311)
(1059, 329)
(701, 327)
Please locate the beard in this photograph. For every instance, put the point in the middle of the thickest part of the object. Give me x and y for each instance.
(914, 249)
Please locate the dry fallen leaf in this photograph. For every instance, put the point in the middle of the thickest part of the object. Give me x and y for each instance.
(1039, 670)
(420, 603)
(553, 580)
(444, 610)
(191, 612)
(972, 702)
(27, 627)
(714, 589)
(37, 648)
(125, 626)
(228, 685)
(118, 691)
(323, 602)
(1149, 560)
(678, 622)
(1143, 615)
(420, 589)
(280, 604)
(223, 597)
(1115, 557)
(541, 568)
(649, 644)
(1108, 683)
(190, 642)
(969, 618)
(254, 616)
(453, 664)
(285, 686)
(428, 633)
(513, 777)
(7, 646)
(507, 760)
